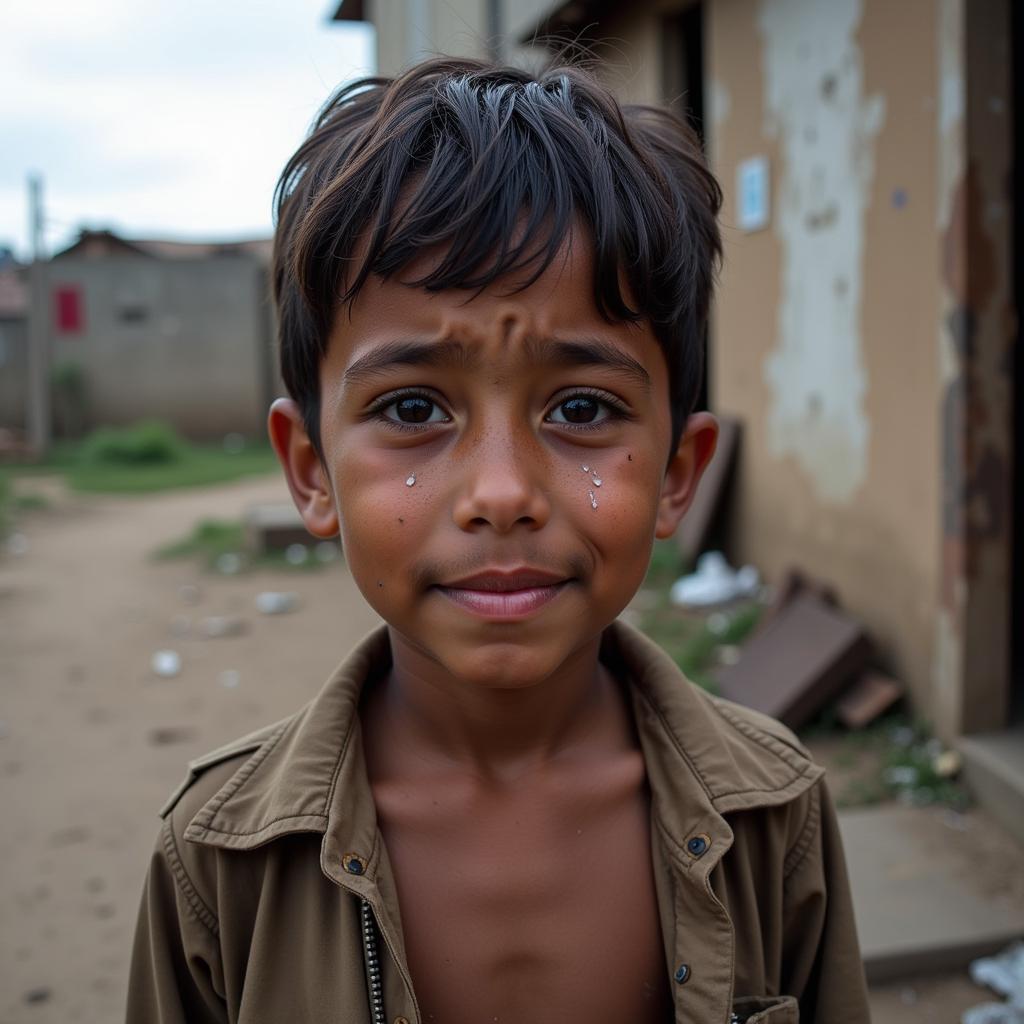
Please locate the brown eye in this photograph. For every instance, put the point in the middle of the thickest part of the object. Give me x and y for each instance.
(414, 409)
(578, 409)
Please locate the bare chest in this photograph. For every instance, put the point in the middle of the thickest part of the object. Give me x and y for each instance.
(532, 908)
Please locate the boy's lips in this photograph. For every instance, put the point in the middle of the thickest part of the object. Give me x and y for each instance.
(505, 594)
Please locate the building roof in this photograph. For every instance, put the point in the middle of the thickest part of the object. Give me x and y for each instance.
(95, 244)
(350, 10)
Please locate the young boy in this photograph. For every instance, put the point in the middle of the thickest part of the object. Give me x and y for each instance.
(504, 806)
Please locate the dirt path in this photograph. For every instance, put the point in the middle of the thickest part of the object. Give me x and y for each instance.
(92, 741)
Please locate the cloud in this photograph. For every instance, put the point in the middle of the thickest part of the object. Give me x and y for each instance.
(158, 118)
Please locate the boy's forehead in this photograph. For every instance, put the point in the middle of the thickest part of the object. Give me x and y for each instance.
(511, 319)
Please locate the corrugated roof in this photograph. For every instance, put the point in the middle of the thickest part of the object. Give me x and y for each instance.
(350, 10)
(95, 244)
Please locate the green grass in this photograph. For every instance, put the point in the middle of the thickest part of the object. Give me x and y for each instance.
(146, 457)
(892, 759)
(687, 637)
(199, 466)
(209, 539)
(212, 539)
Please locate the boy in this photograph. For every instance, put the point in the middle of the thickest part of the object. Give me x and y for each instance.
(504, 806)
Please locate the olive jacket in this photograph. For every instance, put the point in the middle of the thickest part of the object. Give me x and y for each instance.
(270, 898)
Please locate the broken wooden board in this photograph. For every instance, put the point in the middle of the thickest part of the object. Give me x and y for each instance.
(804, 658)
(867, 699)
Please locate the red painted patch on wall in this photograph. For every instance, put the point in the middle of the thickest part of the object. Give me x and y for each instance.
(69, 311)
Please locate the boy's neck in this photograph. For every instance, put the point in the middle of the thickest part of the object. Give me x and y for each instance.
(498, 735)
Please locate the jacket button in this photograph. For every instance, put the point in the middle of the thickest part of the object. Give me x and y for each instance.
(697, 846)
(682, 974)
(401, 1020)
(353, 863)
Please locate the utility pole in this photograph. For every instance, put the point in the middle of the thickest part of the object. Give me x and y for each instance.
(38, 329)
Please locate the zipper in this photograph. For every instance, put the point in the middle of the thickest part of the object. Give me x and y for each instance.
(371, 961)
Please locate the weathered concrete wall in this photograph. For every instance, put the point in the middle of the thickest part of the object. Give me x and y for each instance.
(186, 341)
(408, 30)
(13, 373)
(825, 325)
(838, 333)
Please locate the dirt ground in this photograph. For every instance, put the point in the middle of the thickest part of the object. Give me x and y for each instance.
(92, 740)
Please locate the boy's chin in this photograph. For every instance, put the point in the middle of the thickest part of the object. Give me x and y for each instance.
(500, 664)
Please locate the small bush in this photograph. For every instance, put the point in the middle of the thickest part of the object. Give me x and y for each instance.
(148, 443)
(209, 539)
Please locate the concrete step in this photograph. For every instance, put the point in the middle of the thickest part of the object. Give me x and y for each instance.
(994, 770)
(932, 889)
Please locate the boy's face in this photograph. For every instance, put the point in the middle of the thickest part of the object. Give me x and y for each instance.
(496, 466)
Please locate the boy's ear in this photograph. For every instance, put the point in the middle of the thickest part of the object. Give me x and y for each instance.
(311, 490)
(686, 467)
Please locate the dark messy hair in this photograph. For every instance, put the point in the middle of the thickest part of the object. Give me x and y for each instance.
(494, 166)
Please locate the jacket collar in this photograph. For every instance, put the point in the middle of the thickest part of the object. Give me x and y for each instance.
(705, 758)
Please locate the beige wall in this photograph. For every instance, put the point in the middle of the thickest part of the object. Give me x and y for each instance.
(825, 333)
(198, 354)
(863, 337)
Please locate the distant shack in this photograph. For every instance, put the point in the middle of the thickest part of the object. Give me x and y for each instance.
(155, 328)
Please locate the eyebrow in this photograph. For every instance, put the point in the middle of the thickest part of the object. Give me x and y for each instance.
(450, 353)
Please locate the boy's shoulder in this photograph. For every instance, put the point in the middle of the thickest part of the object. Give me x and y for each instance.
(216, 767)
(285, 776)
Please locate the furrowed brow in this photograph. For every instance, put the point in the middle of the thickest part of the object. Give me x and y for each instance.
(405, 353)
(596, 352)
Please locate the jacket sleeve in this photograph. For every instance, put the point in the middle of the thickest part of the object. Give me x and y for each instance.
(821, 956)
(176, 975)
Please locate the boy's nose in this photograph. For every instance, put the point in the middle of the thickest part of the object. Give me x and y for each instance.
(500, 489)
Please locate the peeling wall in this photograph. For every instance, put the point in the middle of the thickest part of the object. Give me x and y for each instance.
(815, 107)
(825, 326)
(864, 336)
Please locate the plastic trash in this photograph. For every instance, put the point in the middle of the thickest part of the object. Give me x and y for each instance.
(1004, 974)
(326, 551)
(277, 602)
(223, 625)
(714, 582)
(228, 563)
(17, 545)
(166, 663)
(296, 554)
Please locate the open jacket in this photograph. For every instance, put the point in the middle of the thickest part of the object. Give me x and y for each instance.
(270, 898)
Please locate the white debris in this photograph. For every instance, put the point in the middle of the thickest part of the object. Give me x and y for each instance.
(17, 545)
(166, 663)
(1003, 974)
(729, 654)
(223, 625)
(326, 551)
(714, 582)
(276, 602)
(228, 563)
(947, 765)
(230, 678)
(296, 554)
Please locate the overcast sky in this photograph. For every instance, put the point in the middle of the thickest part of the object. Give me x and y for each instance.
(157, 118)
